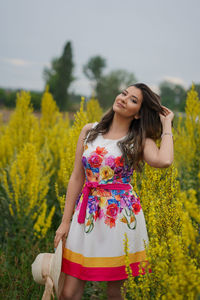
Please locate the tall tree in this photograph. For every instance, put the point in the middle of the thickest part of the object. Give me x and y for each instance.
(111, 84)
(60, 76)
(93, 70)
(172, 95)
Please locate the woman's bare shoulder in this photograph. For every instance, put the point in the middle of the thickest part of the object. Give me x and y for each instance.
(87, 126)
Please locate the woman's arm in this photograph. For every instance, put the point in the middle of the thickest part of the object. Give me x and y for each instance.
(163, 157)
(77, 178)
(73, 190)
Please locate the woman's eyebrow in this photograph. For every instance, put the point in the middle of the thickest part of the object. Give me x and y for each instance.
(132, 95)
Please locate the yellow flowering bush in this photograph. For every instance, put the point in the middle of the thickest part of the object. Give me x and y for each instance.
(22, 127)
(187, 141)
(25, 183)
(36, 159)
(173, 249)
(94, 111)
(172, 217)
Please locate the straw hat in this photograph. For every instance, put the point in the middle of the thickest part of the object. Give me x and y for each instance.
(46, 269)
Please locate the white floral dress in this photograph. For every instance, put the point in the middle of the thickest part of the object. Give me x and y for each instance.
(94, 247)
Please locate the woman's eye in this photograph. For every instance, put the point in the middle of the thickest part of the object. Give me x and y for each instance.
(133, 100)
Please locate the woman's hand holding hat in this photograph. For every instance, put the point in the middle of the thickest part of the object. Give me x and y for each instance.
(46, 269)
(61, 233)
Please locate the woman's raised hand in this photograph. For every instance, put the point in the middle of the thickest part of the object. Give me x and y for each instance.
(61, 233)
(169, 115)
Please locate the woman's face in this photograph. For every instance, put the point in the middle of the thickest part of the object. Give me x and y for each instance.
(128, 103)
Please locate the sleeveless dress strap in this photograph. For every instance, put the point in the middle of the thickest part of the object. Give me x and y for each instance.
(93, 125)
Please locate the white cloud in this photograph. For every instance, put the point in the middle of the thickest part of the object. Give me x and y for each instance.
(22, 62)
(175, 80)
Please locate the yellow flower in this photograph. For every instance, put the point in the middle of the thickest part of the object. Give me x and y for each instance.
(124, 220)
(88, 222)
(106, 172)
(132, 219)
(102, 202)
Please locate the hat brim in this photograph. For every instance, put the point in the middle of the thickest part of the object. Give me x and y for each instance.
(55, 270)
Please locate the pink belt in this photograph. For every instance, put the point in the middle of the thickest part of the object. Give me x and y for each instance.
(93, 184)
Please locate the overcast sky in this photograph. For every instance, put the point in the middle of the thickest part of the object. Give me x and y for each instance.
(154, 39)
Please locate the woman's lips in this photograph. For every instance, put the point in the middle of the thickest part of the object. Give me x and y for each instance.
(120, 105)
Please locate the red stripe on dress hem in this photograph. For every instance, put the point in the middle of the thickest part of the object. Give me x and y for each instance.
(99, 274)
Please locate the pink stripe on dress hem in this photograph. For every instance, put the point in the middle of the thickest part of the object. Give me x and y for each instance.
(99, 274)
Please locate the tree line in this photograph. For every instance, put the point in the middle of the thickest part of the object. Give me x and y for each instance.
(104, 86)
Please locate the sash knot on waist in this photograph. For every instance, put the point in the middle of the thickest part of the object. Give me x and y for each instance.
(93, 184)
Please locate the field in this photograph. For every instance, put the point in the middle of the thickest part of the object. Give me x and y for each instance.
(37, 152)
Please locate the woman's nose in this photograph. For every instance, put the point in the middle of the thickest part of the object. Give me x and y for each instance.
(124, 99)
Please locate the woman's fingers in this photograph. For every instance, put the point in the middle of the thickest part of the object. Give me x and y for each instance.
(61, 233)
(168, 114)
(57, 239)
(167, 110)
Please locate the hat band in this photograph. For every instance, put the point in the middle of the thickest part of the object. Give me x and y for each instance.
(46, 263)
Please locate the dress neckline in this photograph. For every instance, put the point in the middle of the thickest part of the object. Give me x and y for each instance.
(95, 123)
(112, 139)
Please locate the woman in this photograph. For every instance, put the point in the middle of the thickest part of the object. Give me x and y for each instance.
(106, 155)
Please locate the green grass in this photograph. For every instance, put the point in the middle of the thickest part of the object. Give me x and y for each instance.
(15, 272)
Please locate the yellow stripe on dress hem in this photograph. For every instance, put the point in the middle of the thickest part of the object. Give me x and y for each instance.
(96, 262)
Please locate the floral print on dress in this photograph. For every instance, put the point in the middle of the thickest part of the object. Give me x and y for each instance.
(112, 205)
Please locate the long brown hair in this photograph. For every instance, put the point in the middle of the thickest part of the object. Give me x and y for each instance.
(148, 125)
